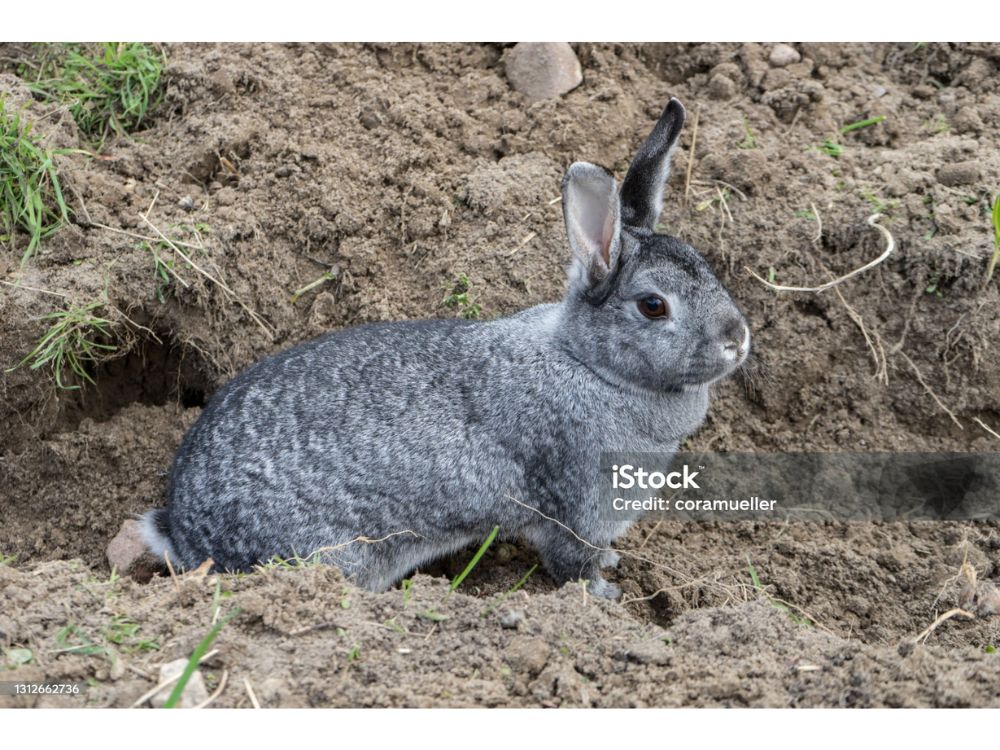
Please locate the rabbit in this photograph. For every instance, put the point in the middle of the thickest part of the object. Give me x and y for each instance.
(387, 445)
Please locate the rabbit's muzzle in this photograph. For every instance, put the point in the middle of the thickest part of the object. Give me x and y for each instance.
(736, 341)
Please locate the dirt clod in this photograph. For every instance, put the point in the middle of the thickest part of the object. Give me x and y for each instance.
(527, 654)
(961, 173)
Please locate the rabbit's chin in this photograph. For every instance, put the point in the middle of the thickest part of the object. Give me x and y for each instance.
(695, 382)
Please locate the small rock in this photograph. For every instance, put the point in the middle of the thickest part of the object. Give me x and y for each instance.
(527, 654)
(648, 652)
(543, 70)
(369, 119)
(283, 171)
(879, 91)
(194, 693)
(960, 173)
(127, 553)
(721, 87)
(512, 618)
(187, 203)
(782, 55)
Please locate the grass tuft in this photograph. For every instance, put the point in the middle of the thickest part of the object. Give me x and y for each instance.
(776, 603)
(831, 148)
(749, 140)
(110, 88)
(996, 240)
(31, 198)
(124, 632)
(460, 299)
(72, 341)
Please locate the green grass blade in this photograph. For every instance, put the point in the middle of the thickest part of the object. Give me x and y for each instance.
(475, 559)
(861, 124)
(192, 664)
(753, 575)
(996, 240)
(511, 590)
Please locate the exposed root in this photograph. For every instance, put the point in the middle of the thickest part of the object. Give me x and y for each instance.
(933, 395)
(874, 344)
(986, 427)
(956, 612)
(890, 246)
(217, 692)
(363, 540)
(33, 289)
(250, 693)
(975, 599)
(819, 222)
(688, 580)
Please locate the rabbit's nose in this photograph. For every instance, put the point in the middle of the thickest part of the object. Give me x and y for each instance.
(735, 339)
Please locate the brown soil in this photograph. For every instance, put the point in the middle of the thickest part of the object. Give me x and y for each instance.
(403, 167)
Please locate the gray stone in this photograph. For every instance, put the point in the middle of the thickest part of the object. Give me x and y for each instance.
(782, 55)
(543, 70)
(511, 619)
(194, 693)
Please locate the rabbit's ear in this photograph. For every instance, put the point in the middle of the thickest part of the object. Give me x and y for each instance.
(642, 190)
(593, 221)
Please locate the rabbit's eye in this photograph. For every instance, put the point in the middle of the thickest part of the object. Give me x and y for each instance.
(654, 307)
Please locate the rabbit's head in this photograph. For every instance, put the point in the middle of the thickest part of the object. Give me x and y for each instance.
(643, 308)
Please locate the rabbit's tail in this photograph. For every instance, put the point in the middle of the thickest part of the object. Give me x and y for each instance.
(156, 534)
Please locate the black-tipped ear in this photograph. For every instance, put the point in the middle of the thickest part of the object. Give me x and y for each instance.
(642, 190)
(593, 221)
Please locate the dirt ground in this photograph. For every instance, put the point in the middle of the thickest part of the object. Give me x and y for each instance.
(395, 169)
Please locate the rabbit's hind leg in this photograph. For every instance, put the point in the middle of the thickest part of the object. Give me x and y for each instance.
(377, 565)
(566, 558)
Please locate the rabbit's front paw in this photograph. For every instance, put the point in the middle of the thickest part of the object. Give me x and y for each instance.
(604, 589)
(609, 559)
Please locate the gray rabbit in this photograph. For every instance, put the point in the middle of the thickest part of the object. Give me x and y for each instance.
(386, 446)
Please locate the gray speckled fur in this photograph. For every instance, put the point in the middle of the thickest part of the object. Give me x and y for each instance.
(425, 432)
